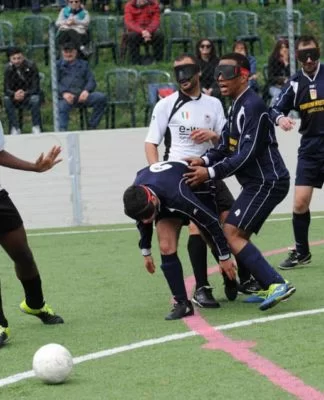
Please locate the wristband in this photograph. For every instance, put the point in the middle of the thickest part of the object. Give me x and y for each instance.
(146, 252)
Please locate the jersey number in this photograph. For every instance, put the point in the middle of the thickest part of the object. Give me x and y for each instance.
(160, 166)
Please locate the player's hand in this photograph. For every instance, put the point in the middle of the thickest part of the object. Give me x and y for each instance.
(194, 161)
(229, 268)
(286, 123)
(149, 264)
(44, 163)
(203, 135)
(196, 176)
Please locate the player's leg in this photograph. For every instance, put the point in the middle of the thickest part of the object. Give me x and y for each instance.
(255, 206)
(4, 329)
(197, 249)
(14, 241)
(300, 255)
(168, 231)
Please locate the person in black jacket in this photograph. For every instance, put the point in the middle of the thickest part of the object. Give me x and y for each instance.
(21, 89)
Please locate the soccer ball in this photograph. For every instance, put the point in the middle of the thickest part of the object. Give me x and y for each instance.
(52, 363)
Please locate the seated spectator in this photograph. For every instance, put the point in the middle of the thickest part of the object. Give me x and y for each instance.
(21, 89)
(278, 69)
(72, 23)
(142, 23)
(207, 61)
(241, 47)
(76, 85)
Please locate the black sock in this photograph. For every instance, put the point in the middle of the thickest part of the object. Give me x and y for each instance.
(172, 269)
(33, 292)
(3, 320)
(197, 250)
(301, 224)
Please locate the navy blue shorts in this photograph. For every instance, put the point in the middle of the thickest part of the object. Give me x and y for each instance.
(310, 171)
(255, 203)
(10, 218)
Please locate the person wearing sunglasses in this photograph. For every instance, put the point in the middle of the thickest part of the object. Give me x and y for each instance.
(207, 61)
(73, 23)
(159, 194)
(188, 122)
(248, 149)
(304, 93)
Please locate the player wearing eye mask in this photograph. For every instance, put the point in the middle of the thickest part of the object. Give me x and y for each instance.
(304, 93)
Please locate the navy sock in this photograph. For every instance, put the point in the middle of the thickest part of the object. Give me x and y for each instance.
(242, 272)
(197, 249)
(33, 292)
(301, 224)
(258, 266)
(172, 269)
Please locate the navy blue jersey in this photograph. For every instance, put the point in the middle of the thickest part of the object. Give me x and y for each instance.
(305, 95)
(248, 147)
(166, 180)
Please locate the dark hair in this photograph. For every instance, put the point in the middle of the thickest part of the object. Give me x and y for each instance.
(242, 43)
(212, 54)
(276, 51)
(306, 39)
(14, 50)
(137, 204)
(241, 60)
(187, 55)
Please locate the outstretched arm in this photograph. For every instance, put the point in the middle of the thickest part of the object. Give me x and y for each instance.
(42, 164)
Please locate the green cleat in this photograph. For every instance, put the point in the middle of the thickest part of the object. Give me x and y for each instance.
(4, 335)
(277, 292)
(45, 314)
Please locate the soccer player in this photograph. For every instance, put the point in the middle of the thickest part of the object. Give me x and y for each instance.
(160, 194)
(14, 241)
(248, 149)
(190, 122)
(304, 93)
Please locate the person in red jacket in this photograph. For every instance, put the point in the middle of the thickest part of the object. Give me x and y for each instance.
(142, 23)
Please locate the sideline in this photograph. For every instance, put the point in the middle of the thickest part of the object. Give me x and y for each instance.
(170, 338)
(133, 228)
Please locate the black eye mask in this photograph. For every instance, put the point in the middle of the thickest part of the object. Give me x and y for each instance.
(185, 72)
(303, 55)
(230, 71)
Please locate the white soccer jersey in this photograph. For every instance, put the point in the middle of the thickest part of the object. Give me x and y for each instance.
(204, 112)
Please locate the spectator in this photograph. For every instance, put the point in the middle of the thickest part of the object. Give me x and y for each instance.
(241, 47)
(142, 23)
(105, 6)
(278, 69)
(207, 61)
(21, 90)
(72, 24)
(76, 85)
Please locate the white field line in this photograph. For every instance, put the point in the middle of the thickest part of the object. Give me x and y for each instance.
(109, 230)
(151, 342)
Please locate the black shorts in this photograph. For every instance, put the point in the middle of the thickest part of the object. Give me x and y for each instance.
(10, 218)
(255, 203)
(310, 171)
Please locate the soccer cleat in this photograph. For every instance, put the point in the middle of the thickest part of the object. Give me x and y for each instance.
(230, 288)
(295, 260)
(257, 297)
(4, 335)
(45, 314)
(277, 292)
(204, 298)
(249, 287)
(180, 310)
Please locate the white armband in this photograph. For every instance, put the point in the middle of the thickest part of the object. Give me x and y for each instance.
(146, 252)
